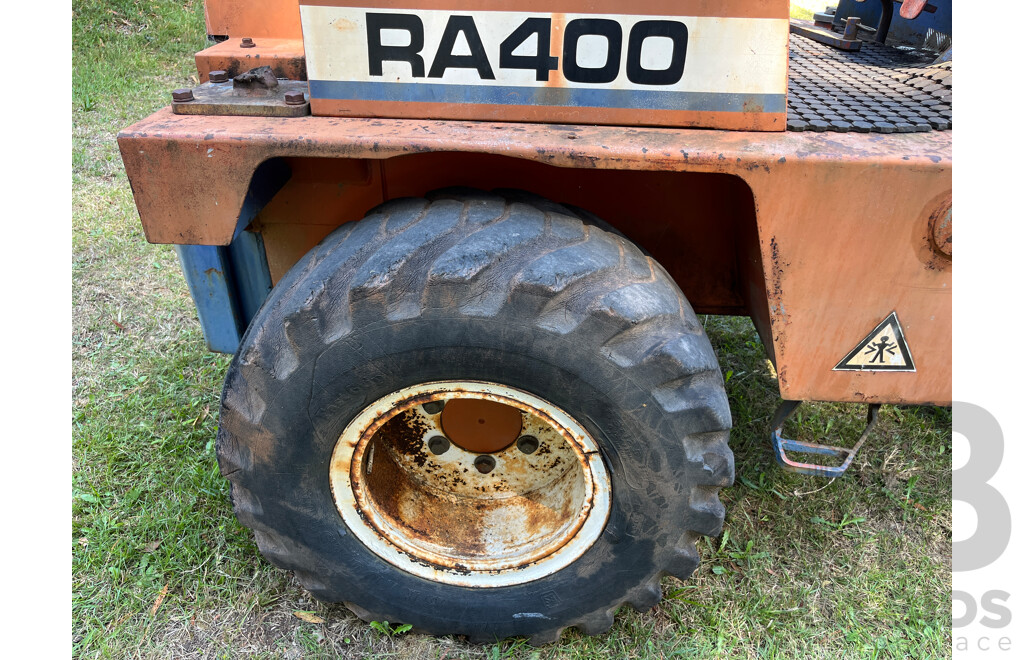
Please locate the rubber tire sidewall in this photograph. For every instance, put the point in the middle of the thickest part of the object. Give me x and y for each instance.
(648, 485)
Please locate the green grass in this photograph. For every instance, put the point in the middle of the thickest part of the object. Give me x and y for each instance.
(858, 567)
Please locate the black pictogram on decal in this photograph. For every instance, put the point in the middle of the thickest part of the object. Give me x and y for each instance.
(884, 349)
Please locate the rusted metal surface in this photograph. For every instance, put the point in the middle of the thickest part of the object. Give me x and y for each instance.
(828, 271)
(911, 9)
(285, 57)
(255, 93)
(154, 147)
(846, 454)
(825, 36)
(852, 26)
(262, 77)
(942, 226)
(461, 517)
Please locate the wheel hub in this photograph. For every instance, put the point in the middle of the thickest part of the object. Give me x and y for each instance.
(470, 483)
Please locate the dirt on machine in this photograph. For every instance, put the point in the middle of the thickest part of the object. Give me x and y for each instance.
(461, 249)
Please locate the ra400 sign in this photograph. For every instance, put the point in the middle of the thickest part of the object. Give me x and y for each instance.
(606, 68)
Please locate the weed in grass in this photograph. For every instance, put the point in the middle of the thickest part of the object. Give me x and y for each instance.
(386, 629)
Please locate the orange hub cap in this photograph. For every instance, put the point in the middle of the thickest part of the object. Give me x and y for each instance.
(481, 426)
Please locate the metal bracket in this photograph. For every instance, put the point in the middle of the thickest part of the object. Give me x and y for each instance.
(781, 445)
(255, 93)
(846, 41)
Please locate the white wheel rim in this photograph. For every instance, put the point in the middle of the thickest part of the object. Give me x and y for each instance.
(439, 517)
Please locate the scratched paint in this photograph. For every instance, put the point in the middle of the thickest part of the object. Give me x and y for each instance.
(704, 65)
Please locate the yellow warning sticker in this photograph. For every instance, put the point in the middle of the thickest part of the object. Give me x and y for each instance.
(884, 349)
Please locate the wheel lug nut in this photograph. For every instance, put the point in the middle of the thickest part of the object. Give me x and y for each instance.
(438, 444)
(484, 464)
(527, 444)
(433, 407)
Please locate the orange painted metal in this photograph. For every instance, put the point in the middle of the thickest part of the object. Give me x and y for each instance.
(481, 425)
(285, 56)
(818, 262)
(911, 9)
(253, 18)
(686, 220)
(753, 121)
(709, 8)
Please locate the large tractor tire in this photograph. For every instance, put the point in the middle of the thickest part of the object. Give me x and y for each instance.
(480, 414)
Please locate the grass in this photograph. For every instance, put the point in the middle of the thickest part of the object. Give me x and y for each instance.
(857, 567)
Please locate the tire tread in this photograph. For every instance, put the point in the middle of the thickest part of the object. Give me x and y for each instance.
(492, 251)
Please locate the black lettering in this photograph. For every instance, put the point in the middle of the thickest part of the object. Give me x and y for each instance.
(543, 63)
(445, 59)
(378, 53)
(670, 75)
(580, 27)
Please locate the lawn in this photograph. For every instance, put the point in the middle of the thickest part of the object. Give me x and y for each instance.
(857, 567)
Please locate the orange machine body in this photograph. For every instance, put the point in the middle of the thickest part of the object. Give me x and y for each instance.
(818, 237)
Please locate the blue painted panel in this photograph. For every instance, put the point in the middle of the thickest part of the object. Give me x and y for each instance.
(869, 12)
(250, 272)
(228, 286)
(547, 96)
(207, 272)
(901, 31)
(229, 283)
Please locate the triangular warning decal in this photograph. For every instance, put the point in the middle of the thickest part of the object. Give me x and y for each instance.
(884, 349)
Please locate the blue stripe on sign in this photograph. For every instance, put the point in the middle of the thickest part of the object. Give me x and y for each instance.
(572, 97)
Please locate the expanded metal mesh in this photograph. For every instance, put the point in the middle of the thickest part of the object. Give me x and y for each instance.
(879, 89)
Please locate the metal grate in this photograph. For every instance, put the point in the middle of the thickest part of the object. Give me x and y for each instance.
(879, 89)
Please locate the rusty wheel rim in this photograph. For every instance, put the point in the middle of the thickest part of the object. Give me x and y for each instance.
(504, 506)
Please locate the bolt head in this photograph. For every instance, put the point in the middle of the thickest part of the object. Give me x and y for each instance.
(218, 76)
(431, 407)
(438, 445)
(485, 463)
(182, 95)
(247, 42)
(298, 98)
(528, 444)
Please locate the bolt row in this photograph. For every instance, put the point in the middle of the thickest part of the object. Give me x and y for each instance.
(438, 444)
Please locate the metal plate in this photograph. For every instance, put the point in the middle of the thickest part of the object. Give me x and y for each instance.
(878, 89)
(226, 99)
(653, 62)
